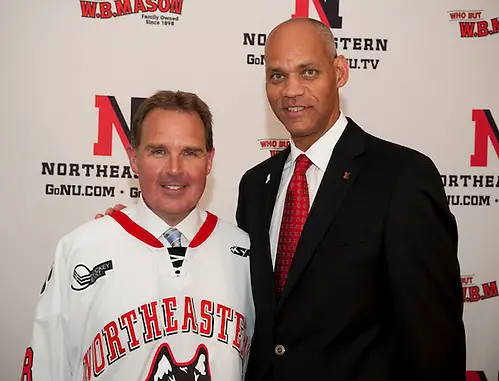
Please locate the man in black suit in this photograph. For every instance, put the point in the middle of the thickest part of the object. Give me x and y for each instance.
(368, 287)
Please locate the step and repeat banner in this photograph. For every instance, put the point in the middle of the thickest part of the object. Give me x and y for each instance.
(423, 74)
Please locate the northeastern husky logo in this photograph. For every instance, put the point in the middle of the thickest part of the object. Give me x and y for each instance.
(166, 368)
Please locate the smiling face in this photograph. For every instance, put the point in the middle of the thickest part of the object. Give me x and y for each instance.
(172, 162)
(302, 80)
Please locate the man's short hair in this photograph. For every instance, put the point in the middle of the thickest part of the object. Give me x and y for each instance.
(174, 101)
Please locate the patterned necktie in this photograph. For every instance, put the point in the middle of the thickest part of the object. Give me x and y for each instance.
(172, 235)
(294, 215)
(177, 252)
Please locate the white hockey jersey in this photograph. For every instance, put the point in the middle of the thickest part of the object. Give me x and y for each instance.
(112, 307)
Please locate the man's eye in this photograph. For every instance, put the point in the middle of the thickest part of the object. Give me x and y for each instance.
(191, 152)
(310, 72)
(158, 152)
(276, 76)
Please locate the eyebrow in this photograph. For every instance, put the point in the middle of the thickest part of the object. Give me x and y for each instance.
(195, 149)
(300, 66)
(154, 146)
(307, 64)
(162, 146)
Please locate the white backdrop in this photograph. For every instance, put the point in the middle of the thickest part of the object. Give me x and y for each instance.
(416, 79)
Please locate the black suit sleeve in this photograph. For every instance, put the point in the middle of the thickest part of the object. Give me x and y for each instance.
(241, 205)
(425, 282)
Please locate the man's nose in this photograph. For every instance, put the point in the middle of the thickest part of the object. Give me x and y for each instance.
(293, 86)
(173, 165)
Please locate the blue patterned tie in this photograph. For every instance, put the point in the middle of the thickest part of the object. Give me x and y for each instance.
(177, 252)
(172, 235)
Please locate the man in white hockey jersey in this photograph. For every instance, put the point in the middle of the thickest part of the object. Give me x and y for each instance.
(159, 291)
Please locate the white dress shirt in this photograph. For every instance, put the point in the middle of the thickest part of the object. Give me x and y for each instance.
(188, 227)
(319, 153)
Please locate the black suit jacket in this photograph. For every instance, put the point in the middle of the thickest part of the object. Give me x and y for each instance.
(374, 290)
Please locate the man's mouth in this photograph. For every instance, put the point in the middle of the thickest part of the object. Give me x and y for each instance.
(295, 108)
(174, 187)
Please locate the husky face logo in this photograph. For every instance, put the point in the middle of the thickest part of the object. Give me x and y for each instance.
(165, 368)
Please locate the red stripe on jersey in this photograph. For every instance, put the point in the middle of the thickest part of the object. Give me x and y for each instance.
(205, 230)
(142, 234)
(135, 229)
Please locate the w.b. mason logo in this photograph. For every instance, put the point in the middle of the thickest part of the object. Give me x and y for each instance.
(83, 277)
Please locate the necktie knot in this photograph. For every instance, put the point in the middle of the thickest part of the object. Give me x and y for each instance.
(303, 163)
(172, 235)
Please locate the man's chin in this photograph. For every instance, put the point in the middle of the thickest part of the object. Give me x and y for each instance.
(173, 216)
(298, 129)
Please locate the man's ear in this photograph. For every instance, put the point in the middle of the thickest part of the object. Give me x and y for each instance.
(210, 160)
(132, 158)
(342, 71)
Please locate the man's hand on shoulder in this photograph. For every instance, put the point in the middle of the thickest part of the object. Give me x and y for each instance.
(110, 210)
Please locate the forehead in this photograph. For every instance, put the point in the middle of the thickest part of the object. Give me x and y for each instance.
(172, 127)
(293, 45)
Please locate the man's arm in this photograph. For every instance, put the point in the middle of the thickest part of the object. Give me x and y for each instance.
(421, 255)
(46, 357)
(241, 206)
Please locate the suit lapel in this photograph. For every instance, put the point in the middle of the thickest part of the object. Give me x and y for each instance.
(261, 242)
(271, 188)
(338, 179)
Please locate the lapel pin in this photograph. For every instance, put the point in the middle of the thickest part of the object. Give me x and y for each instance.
(346, 176)
(268, 179)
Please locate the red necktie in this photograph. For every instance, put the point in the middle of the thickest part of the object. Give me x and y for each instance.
(294, 215)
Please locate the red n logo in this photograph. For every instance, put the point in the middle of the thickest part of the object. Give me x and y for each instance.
(328, 11)
(110, 116)
(485, 129)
